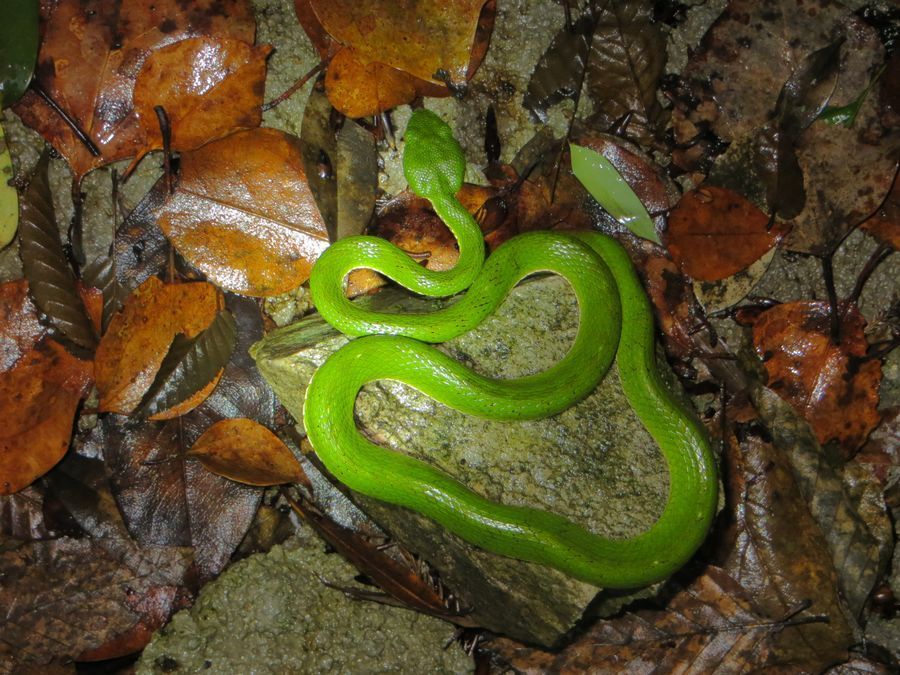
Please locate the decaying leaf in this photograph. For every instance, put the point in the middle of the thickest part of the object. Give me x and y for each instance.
(55, 590)
(139, 336)
(848, 508)
(38, 396)
(714, 233)
(50, 279)
(244, 215)
(247, 452)
(20, 327)
(833, 386)
(169, 501)
(91, 53)
(627, 60)
(208, 87)
(190, 370)
(559, 74)
(884, 225)
(846, 172)
(439, 48)
(801, 100)
(708, 626)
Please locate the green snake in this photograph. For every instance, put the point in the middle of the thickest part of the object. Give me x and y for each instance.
(616, 323)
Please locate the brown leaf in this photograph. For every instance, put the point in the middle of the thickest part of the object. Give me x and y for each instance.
(398, 581)
(777, 553)
(138, 338)
(846, 172)
(714, 233)
(359, 89)
(884, 225)
(244, 215)
(208, 87)
(65, 597)
(246, 452)
(627, 60)
(709, 626)
(833, 386)
(20, 327)
(90, 55)
(38, 396)
(167, 500)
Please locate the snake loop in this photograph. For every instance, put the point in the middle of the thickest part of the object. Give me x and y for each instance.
(616, 323)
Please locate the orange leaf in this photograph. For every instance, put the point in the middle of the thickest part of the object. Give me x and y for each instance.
(420, 37)
(358, 88)
(139, 336)
(247, 452)
(38, 398)
(209, 88)
(833, 386)
(20, 327)
(714, 233)
(372, 69)
(90, 55)
(244, 215)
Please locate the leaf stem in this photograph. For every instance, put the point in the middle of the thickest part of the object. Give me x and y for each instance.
(165, 130)
(71, 123)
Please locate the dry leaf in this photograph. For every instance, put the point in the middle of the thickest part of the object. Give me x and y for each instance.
(833, 386)
(38, 397)
(90, 55)
(246, 452)
(138, 338)
(714, 233)
(208, 87)
(244, 215)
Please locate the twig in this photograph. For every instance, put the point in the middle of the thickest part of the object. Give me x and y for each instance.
(297, 85)
(828, 273)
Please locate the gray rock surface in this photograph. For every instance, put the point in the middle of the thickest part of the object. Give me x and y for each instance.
(271, 613)
(594, 463)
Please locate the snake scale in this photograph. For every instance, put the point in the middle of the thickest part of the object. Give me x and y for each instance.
(615, 323)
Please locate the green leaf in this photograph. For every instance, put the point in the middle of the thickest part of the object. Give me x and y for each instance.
(845, 115)
(50, 279)
(607, 186)
(190, 365)
(18, 48)
(9, 199)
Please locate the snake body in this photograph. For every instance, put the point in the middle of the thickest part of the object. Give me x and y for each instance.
(616, 323)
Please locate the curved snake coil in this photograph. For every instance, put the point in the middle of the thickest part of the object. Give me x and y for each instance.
(616, 321)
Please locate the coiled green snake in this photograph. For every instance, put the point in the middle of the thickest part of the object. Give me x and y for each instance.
(615, 317)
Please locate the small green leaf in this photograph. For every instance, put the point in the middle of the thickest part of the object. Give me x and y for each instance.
(9, 199)
(190, 365)
(607, 186)
(845, 115)
(18, 48)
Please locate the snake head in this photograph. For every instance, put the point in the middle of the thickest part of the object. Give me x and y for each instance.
(433, 162)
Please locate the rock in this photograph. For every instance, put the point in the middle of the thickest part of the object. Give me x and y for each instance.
(594, 463)
(271, 613)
